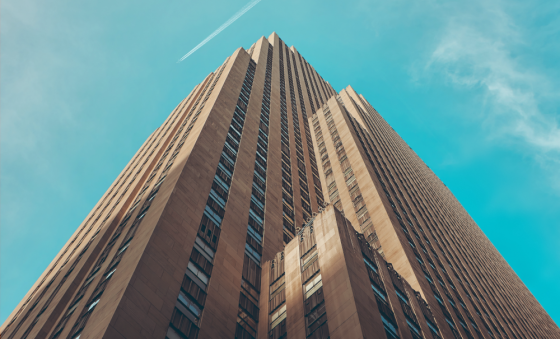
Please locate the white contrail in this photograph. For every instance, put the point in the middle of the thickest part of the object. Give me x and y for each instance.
(236, 16)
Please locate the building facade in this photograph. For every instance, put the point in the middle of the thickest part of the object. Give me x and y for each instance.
(330, 282)
(217, 226)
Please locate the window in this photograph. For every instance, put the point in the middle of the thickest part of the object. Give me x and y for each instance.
(110, 274)
(172, 334)
(438, 299)
(310, 259)
(413, 327)
(93, 304)
(91, 278)
(253, 254)
(313, 286)
(254, 234)
(451, 302)
(189, 305)
(432, 326)
(277, 317)
(204, 249)
(73, 308)
(124, 248)
(198, 273)
(451, 324)
(379, 292)
(390, 328)
(371, 265)
(401, 296)
(429, 279)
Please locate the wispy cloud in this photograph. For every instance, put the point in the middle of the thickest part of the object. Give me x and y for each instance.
(479, 51)
(231, 20)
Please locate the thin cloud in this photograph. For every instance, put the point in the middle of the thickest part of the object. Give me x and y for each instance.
(472, 56)
(236, 16)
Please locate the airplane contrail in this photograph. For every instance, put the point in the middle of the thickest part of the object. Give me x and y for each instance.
(231, 20)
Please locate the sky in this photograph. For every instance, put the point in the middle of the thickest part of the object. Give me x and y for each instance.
(472, 86)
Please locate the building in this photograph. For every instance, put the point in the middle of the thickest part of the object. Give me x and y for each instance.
(198, 226)
(413, 220)
(330, 281)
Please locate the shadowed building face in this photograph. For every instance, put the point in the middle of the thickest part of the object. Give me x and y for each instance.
(201, 234)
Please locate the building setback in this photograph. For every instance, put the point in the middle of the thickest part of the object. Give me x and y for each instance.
(330, 282)
(268, 205)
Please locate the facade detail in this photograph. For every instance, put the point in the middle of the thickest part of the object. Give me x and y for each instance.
(268, 205)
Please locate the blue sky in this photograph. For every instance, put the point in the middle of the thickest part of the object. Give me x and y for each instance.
(472, 86)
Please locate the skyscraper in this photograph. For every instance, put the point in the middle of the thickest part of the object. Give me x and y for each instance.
(207, 230)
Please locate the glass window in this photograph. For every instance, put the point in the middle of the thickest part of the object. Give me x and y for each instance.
(189, 304)
(172, 334)
(253, 254)
(124, 248)
(451, 324)
(390, 328)
(401, 296)
(451, 302)
(204, 249)
(198, 273)
(432, 326)
(438, 299)
(110, 274)
(93, 304)
(313, 286)
(369, 264)
(429, 279)
(254, 234)
(413, 327)
(379, 292)
(277, 317)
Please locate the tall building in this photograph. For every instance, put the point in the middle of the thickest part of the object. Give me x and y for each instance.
(268, 205)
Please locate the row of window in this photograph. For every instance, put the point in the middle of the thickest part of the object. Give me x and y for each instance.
(358, 202)
(310, 148)
(387, 315)
(315, 312)
(304, 189)
(192, 296)
(248, 315)
(277, 299)
(380, 293)
(401, 291)
(332, 190)
(312, 75)
(304, 70)
(288, 219)
(408, 221)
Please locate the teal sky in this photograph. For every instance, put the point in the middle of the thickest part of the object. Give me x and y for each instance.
(472, 86)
